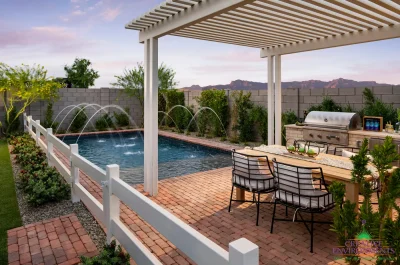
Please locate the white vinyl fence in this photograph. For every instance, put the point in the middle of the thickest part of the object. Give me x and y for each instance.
(197, 247)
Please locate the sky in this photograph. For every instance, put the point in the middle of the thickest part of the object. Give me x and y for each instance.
(53, 33)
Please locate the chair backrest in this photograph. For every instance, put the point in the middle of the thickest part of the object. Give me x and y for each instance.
(338, 151)
(319, 146)
(294, 179)
(252, 167)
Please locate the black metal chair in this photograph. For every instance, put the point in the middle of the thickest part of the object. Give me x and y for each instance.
(322, 147)
(253, 174)
(338, 151)
(297, 189)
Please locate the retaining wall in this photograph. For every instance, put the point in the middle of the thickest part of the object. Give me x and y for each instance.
(300, 99)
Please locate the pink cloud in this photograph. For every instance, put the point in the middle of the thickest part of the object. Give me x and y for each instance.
(110, 14)
(54, 39)
(36, 35)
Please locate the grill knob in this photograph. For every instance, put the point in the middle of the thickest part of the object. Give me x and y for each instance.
(311, 135)
(319, 136)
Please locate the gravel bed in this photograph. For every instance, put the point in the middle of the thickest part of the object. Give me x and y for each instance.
(30, 214)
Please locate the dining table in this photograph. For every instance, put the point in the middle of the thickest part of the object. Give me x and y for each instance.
(331, 173)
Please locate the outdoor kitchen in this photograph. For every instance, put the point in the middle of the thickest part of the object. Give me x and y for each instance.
(340, 129)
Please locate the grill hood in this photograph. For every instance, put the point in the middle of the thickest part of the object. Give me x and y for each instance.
(334, 120)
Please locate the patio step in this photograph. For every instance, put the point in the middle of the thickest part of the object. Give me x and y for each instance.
(60, 240)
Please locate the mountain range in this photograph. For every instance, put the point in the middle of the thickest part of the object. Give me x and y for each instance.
(312, 84)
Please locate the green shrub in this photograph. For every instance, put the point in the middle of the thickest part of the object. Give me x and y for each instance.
(31, 156)
(173, 98)
(375, 107)
(45, 186)
(20, 142)
(111, 255)
(260, 118)
(41, 183)
(327, 104)
(48, 120)
(104, 122)
(243, 107)
(79, 121)
(122, 119)
(208, 120)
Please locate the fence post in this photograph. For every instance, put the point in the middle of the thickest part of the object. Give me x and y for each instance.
(74, 172)
(243, 252)
(49, 146)
(24, 122)
(37, 132)
(111, 203)
(30, 123)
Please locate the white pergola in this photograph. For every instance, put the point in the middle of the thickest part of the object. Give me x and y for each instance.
(276, 27)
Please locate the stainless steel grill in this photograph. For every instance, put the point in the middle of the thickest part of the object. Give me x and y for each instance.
(330, 127)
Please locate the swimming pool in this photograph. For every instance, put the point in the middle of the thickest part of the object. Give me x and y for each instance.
(175, 157)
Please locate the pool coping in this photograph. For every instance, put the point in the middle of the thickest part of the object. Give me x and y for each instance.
(189, 139)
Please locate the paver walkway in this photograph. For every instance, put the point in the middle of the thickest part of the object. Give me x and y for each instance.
(60, 240)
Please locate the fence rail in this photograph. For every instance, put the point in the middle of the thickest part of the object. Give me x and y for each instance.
(196, 246)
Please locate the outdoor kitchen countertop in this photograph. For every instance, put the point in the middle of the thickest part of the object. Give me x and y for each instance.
(357, 132)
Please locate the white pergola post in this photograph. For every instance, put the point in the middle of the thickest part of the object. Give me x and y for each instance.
(147, 118)
(154, 115)
(151, 116)
(271, 107)
(278, 101)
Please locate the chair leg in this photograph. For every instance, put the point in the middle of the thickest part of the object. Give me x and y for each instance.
(258, 207)
(273, 217)
(230, 201)
(312, 232)
(254, 197)
(286, 211)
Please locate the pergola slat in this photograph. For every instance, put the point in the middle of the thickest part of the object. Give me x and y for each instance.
(351, 8)
(283, 26)
(245, 40)
(330, 20)
(311, 21)
(216, 40)
(193, 29)
(313, 8)
(256, 30)
(370, 6)
(327, 8)
(228, 29)
(389, 5)
(246, 21)
(248, 10)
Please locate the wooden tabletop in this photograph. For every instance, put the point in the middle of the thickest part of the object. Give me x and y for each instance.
(330, 173)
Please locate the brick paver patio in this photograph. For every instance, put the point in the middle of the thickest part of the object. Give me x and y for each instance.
(60, 240)
(201, 200)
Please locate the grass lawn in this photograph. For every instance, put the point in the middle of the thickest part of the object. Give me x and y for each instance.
(9, 211)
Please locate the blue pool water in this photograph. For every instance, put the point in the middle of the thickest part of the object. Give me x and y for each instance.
(176, 158)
